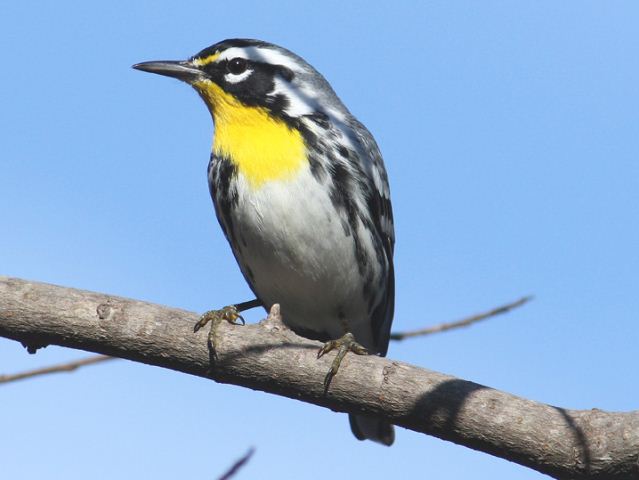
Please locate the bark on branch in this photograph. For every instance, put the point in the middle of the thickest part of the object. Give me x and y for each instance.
(559, 442)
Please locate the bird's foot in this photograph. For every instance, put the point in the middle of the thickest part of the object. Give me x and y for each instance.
(229, 314)
(343, 345)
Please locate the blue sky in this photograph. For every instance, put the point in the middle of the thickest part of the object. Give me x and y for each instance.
(510, 132)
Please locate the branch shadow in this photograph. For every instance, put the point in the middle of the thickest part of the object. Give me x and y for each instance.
(438, 410)
(229, 357)
(580, 439)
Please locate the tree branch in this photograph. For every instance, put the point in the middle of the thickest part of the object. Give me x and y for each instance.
(562, 443)
(398, 336)
(237, 465)
(62, 367)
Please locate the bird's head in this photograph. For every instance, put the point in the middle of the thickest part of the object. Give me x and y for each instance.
(269, 105)
(253, 73)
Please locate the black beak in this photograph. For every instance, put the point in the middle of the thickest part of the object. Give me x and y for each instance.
(184, 71)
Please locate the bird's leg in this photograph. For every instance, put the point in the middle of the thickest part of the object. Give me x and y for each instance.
(343, 345)
(230, 314)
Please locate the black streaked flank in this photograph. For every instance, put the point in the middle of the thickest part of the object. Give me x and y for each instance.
(317, 168)
(222, 177)
(348, 177)
(222, 173)
(381, 325)
(343, 201)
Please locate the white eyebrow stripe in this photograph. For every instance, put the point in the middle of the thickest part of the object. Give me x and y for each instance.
(262, 54)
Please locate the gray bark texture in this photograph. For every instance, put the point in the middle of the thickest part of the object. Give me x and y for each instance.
(567, 444)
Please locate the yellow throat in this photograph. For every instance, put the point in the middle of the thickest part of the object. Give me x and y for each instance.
(263, 148)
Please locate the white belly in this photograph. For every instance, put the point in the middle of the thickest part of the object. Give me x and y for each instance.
(294, 248)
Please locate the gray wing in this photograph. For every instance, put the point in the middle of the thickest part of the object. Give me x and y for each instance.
(359, 189)
(379, 205)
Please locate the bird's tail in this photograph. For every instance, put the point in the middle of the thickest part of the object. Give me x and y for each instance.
(372, 428)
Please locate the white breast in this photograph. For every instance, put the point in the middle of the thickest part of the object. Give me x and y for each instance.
(293, 246)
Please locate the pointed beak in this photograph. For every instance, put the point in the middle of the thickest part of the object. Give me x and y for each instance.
(184, 71)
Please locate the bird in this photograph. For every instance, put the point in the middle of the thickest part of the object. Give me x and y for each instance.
(301, 193)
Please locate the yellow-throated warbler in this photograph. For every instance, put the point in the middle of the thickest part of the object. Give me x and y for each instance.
(301, 193)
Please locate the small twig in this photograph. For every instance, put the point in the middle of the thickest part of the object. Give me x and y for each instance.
(442, 327)
(237, 465)
(63, 367)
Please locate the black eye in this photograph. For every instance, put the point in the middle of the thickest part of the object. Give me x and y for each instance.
(237, 65)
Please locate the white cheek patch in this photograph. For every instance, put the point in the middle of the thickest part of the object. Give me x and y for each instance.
(304, 101)
(300, 102)
(233, 78)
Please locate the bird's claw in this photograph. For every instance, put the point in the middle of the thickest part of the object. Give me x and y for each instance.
(229, 314)
(343, 345)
